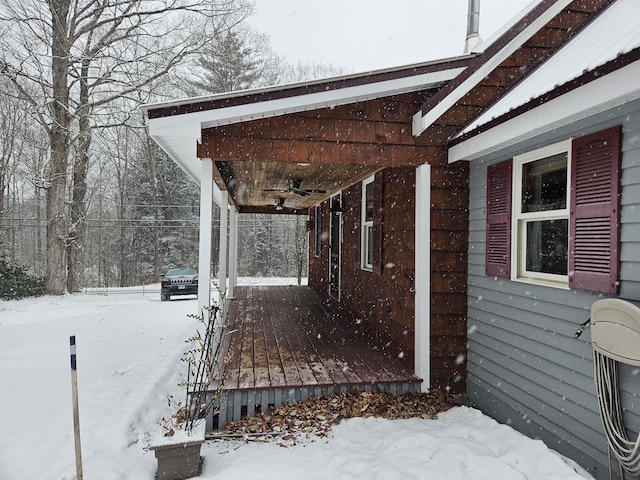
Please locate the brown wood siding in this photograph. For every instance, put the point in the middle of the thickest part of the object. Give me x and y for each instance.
(383, 305)
(382, 302)
(449, 242)
(318, 275)
(376, 132)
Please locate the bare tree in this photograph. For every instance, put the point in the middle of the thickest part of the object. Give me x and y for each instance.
(21, 152)
(302, 72)
(70, 59)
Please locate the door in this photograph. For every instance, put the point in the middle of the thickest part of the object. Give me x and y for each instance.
(335, 246)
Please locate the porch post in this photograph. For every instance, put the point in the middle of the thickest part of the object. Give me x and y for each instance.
(222, 263)
(233, 251)
(204, 257)
(423, 276)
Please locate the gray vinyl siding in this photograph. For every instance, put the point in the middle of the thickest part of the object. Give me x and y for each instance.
(525, 367)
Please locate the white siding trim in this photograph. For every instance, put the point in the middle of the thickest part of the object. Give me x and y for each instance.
(423, 276)
(297, 103)
(224, 253)
(204, 257)
(233, 251)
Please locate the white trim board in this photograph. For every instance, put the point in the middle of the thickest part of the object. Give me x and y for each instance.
(423, 121)
(610, 91)
(422, 281)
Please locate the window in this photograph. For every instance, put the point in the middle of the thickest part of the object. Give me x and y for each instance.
(367, 210)
(553, 214)
(541, 214)
(317, 231)
(368, 225)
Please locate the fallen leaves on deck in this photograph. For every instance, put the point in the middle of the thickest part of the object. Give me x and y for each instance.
(316, 415)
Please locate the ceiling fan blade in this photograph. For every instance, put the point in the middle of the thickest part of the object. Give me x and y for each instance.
(313, 190)
(279, 190)
(302, 193)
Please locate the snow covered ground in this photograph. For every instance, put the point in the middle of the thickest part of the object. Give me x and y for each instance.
(129, 348)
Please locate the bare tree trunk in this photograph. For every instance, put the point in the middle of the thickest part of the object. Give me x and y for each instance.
(77, 233)
(78, 228)
(59, 140)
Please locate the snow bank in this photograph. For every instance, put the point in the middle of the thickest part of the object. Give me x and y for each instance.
(129, 348)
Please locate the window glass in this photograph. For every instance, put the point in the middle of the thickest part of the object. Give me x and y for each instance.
(544, 184)
(547, 249)
(368, 199)
(369, 233)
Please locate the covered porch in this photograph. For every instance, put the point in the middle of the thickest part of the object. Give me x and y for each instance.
(284, 343)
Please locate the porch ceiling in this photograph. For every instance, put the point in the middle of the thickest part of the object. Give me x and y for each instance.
(262, 162)
(246, 182)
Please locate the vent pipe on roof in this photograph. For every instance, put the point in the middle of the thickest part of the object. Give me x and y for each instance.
(473, 26)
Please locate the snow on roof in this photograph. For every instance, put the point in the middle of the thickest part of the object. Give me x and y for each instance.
(615, 32)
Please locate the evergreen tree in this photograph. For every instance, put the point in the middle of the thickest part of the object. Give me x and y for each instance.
(166, 202)
(236, 60)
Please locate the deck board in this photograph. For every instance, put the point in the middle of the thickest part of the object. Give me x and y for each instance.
(260, 349)
(283, 337)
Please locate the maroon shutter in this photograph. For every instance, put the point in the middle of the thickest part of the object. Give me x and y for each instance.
(498, 253)
(594, 262)
(378, 199)
(356, 211)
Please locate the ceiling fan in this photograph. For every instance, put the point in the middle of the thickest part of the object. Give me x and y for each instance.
(294, 186)
(280, 205)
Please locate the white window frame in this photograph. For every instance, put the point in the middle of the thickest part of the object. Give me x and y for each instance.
(519, 219)
(366, 227)
(317, 232)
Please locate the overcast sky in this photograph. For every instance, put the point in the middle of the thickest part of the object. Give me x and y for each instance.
(362, 35)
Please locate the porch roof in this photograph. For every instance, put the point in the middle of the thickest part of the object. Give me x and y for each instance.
(177, 125)
(264, 140)
(601, 80)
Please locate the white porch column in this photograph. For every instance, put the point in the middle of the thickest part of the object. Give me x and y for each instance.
(233, 251)
(423, 276)
(204, 256)
(224, 254)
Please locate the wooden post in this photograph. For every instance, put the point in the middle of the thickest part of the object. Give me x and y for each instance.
(76, 412)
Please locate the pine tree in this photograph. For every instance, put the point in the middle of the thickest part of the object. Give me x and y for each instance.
(236, 60)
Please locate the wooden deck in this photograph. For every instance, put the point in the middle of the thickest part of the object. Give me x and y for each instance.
(282, 343)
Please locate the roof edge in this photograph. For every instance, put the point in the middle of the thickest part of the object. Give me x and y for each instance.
(494, 54)
(587, 77)
(601, 94)
(242, 97)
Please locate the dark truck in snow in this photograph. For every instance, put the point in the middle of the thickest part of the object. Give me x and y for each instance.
(179, 281)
